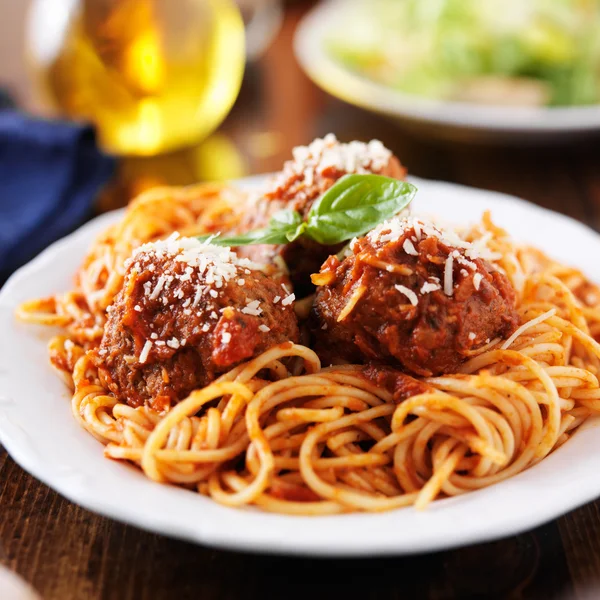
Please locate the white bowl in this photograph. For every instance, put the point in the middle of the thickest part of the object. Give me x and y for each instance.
(438, 118)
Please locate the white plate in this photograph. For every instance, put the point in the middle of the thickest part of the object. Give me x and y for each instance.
(38, 430)
(438, 118)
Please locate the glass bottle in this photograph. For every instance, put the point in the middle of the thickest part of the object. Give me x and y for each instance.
(153, 75)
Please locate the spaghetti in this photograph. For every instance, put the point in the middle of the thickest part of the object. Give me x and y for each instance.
(284, 433)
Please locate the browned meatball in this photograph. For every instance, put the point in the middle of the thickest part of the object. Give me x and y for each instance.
(188, 312)
(314, 169)
(411, 295)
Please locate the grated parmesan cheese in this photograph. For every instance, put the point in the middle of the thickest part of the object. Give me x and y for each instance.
(409, 248)
(252, 308)
(215, 264)
(145, 351)
(477, 280)
(288, 300)
(207, 268)
(199, 291)
(310, 162)
(417, 228)
(430, 286)
(393, 229)
(157, 288)
(461, 260)
(448, 275)
(412, 297)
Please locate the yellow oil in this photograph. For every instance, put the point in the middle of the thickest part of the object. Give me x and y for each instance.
(152, 75)
(217, 158)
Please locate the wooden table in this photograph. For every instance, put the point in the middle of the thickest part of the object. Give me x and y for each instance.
(67, 552)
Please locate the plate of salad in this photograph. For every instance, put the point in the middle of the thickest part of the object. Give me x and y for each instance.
(470, 68)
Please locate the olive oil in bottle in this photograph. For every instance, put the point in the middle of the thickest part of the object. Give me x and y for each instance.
(152, 75)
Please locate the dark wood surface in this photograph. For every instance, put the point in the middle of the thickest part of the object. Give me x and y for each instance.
(66, 552)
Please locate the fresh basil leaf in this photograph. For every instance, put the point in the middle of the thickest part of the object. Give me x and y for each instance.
(289, 221)
(354, 205)
(284, 227)
(258, 236)
(350, 208)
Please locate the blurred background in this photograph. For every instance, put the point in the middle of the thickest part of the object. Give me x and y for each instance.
(188, 90)
(179, 91)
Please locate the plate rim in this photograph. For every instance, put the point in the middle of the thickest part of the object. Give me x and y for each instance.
(78, 493)
(342, 83)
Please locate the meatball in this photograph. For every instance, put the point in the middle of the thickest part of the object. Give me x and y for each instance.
(313, 171)
(411, 295)
(187, 312)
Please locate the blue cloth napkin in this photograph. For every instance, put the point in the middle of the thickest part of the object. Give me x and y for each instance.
(50, 175)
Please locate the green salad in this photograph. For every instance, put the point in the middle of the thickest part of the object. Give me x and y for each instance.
(515, 52)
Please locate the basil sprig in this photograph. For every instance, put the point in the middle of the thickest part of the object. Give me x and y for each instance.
(285, 226)
(350, 208)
